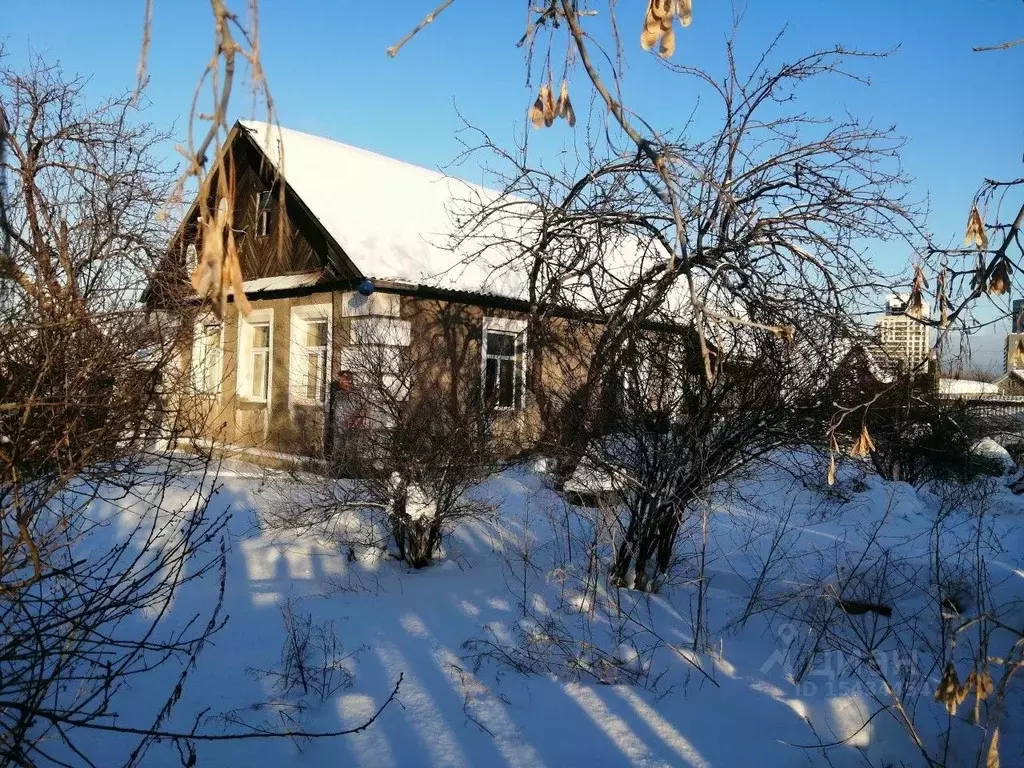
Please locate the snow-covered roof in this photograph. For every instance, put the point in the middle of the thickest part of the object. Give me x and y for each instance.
(280, 282)
(881, 366)
(395, 221)
(966, 387)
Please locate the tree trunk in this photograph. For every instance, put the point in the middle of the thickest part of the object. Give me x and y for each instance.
(668, 530)
(624, 554)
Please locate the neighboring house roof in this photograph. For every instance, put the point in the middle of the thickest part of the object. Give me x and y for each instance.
(967, 387)
(1015, 373)
(395, 221)
(877, 361)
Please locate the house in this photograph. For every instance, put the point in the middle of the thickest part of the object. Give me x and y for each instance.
(365, 254)
(1011, 382)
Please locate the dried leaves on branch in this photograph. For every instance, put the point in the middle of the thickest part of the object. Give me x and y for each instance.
(659, 24)
(546, 108)
(236, 49)
(999, 200)
(219, 271)
(976, 236)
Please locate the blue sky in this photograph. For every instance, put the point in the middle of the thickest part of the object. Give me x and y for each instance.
(328, 73)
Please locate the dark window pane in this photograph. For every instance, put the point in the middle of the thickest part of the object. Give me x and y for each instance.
(506, 383)
(490, 380)
(261, 336)
(503, 344)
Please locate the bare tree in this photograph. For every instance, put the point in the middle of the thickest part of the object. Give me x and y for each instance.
(80, 365)
(760, 223)
(99, 529)
(672, 436)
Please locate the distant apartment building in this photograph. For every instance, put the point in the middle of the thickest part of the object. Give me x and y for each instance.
(1013, 351)
(901, 335)
(1017, 320)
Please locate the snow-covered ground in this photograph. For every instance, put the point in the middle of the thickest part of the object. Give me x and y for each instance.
(743, 710)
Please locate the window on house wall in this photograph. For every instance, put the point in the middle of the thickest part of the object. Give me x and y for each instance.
(309, 364)
(255, 355)
(503, 367)
(316, 360)
(206, 358)
(263, 201)
(259, 354)
(191, 260)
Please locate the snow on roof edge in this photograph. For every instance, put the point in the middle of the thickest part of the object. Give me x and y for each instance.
(281, 282)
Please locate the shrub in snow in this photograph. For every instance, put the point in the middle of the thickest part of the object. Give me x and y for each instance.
(313, 667)
(421, 439)
(918, 437)
(313, 662)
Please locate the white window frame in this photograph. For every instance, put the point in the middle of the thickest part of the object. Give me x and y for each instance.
(380, 330)
(191, 260)
(263, 202)
(218, 371)
(516, 329)
(301, 317)
(244, 387)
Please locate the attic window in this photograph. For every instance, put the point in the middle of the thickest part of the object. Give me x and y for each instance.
(191, 260)
(263, 213)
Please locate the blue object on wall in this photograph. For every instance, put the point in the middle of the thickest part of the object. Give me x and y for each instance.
(366, 287)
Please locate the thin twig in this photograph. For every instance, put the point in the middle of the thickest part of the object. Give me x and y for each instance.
(54, 717)
(429, 18)
(999, 47)
(147, 36)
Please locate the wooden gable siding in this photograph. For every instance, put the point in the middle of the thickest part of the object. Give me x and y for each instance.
(307, 244)
(296, 241)
(289, 247)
